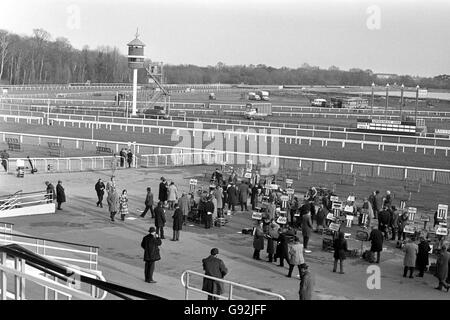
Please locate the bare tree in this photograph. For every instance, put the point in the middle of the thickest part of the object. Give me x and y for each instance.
(41, 37)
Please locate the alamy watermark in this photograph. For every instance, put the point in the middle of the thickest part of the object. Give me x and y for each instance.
(74, 19)
(374, 278)
(235, 147)
(373, 21)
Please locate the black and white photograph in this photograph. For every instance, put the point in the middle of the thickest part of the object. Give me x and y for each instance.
(225, 155)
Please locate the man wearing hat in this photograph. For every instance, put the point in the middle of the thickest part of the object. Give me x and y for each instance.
(60, 194)
(306, 283)
(214, 267)
(150, 244)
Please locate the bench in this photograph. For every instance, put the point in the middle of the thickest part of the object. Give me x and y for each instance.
(55, 149)
(13, 144)
(104, 150)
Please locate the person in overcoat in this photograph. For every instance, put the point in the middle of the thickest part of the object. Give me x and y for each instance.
(282, 251)
(307, 227)
(295, 253)
(258, 240)
(422, 256)
(123, 205)
(409, 261)
(243, 195)
(402, 221)
(340, 251)
(184, 205)
(162, 196)
(160, 219)
(218, 194)
(148, 203)
(150, 244)
(113, 202)
(60, 194)
(173, 195)
(254, 192)
(376, 238)
(272, 238)
(208, 212)
(213, 267)
(100, 190)
(232, 197)
(129, 158)
(306, 283)
(177, 222)
(442, 268)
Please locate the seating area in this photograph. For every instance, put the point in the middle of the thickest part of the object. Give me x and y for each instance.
(55, 149)
(13, 144)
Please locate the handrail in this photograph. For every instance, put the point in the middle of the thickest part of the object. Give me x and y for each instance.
(231, 283)
(46, 239)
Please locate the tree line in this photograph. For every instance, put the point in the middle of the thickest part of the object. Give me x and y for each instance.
(38, 59)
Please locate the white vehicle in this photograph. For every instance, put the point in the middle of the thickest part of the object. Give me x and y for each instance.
(319, 103)
(264, 95)
(253, 96)
(258, 110)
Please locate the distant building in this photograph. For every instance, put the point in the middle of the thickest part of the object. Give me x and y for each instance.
(385, 75)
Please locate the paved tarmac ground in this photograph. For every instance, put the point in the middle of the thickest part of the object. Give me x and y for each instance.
(120, 255)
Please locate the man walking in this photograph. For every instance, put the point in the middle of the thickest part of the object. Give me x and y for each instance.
(160, 219)
(60, 194)
(148, 203)
(150, 244)
(376, 238)
(100, 189)
(113, 202)
(214, 267)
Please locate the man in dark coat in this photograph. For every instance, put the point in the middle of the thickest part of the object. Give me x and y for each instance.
(258, 240)
(442, 268)
(5, 156)
(306, 283)
(162, 190)
(254, 192)
(372, 202)
(214, 267)
(384, 221)
(378, 204)
(307, 228)
(100, 189)
(232, 197)
(51, 194)
(150, 244)
(243, 195)
(282, 250)
(376, 238)
(177, 222)
(160, 219)
(217, 177)
(123, 155)
(129, 158)
(148, 203)
(208, 210)
(422, 256)
(60, 194)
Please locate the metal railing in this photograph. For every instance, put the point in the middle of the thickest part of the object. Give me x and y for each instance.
(232, 285)
(84, 256)
(23, 200)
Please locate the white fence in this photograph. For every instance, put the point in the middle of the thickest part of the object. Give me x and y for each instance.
(159, 154)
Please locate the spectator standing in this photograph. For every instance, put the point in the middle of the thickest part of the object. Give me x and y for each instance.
(232, 197)
(306, 283)
(272, 238)
(162, 196)
(4, 156)
(123, 156)
(384, 221)
(340, 251)
(422, 256)
(409, 261)
(129, 158)
(307, 227)
(184, 205)
(320, 217)
(258, 240)
(367, 205)
(214, 267)
(378, 203)
(60, 194)
(442, 268)
(150, 243)
(177, 225)
(218, 194)
(295, 252)
(113, 202)
(100, 190)
(208, 212)
(160, 219)
(173, 195)
(123, 205)
(376, 238)
(51, 194)
(402, 221)
(148, 203)
(243, 195)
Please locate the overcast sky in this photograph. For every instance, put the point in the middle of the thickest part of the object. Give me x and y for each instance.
(402, 36)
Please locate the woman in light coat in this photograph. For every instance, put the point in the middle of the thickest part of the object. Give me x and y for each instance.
(409, 261)
(295, 256)
(184, 203)
(173, 195)
(123, 205)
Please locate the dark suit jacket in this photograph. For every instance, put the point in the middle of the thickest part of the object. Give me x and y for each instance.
(213, 267)
(160, 217)
(376, 237)
(150, 245)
